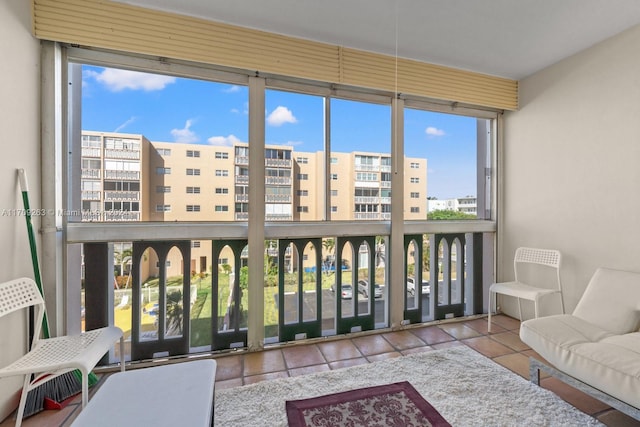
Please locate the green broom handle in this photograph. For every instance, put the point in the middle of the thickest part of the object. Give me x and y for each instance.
(24, 187)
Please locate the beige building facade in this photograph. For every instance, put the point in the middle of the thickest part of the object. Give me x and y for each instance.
(126, 177)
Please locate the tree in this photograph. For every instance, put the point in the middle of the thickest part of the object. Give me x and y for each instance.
(174, 313)
(445, 214)
(329, 245)
(123, 259)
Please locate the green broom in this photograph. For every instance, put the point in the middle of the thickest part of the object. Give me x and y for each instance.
(51, 393)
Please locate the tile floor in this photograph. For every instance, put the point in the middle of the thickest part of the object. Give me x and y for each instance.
(503, 346)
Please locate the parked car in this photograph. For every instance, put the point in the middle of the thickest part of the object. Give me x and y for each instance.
(347, 291)
(411, 286)
(363, 288)
(377, 291)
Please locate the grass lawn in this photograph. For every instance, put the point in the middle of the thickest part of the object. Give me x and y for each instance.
(201, 309)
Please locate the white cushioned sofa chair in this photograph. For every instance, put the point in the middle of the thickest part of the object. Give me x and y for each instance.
(597, 347)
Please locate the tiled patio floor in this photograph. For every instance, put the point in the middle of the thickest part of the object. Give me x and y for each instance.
(503, 346)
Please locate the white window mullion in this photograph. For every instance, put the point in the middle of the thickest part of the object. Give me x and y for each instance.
(255, 338)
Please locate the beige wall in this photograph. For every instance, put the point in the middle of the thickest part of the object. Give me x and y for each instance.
(572, 164)
(19, 136)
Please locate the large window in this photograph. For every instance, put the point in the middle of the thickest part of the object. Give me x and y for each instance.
(140, 127)
(360, 149)
(165, 149)
(442, 154)
(294, 138)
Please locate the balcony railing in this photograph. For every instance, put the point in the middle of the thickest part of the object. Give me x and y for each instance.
(278, 180)
(121, 154)
(366, 215)
(91, 152)
(126, 175)
(298, 288)
(121, 195)
(367, 168)
(278, 198)
(90, 195)
(242, 179)
(279, 163)
(242, 160)
(91, 173)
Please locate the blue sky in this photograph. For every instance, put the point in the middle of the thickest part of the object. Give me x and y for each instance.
(170, 109)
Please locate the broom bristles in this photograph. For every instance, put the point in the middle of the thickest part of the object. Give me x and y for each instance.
(58, 389)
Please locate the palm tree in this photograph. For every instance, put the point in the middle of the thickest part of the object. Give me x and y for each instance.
(174, 313)
(329, 245)
(124, 258)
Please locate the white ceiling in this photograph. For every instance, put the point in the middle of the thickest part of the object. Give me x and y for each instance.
(506, 38)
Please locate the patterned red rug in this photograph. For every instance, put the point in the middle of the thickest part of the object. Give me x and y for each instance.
(397, 404)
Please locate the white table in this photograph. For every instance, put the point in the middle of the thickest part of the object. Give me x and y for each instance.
(179, 394)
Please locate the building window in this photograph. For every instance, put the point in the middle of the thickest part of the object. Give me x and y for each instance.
(303, 176)
(366, 207)
(304, 209)
(415, 195)
(415, 180)
(195, 244)
(222, 191)
(193, 208)
(415, 209)
(302, 160)
(222, 172)
(366, 176)
(163, 208)
(222, 208)
(193, 190)
(221, 155)
(163, 189)
(164, 151)
(223, 261)
(334, 193)
(334, 176)
(333, 160)
(193, 153)
(415, 165)
(193, 172)
(302, 192)
(163, 171)
(334, 209)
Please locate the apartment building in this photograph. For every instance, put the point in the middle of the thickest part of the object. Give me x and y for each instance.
(126, 177)
(467, 204)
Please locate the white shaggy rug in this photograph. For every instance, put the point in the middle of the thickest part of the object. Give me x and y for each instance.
(465, 387)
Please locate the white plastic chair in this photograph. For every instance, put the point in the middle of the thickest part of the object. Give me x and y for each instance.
(545, 257)
(52, 357)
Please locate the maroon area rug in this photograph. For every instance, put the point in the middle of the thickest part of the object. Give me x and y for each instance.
(398, 405)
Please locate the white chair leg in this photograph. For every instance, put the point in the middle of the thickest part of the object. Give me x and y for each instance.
(85, 388)
(121, 354)
(520, 309)
(491, 295)
(23, 400)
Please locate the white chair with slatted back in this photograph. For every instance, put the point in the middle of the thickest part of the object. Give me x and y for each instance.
(545, 257)
(52, 357)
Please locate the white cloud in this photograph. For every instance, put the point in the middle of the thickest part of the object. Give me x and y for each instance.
(185, 135)
(119, 80)
(231, 89)
(433, 131)
(125, 124)
(280, 116)
(226, 141)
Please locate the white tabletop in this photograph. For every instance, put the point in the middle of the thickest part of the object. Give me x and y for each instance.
(179, 394)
